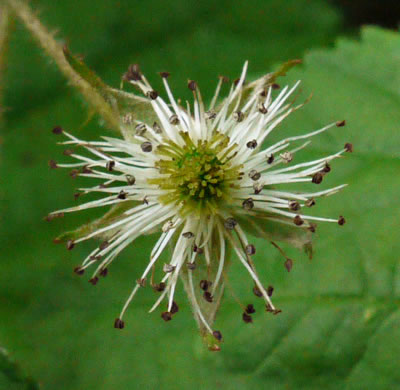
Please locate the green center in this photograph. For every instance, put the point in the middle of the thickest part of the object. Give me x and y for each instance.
(197, 176)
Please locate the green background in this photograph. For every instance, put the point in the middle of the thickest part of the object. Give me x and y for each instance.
(340, 323)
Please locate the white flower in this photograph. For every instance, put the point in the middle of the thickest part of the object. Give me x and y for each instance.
(199, 177)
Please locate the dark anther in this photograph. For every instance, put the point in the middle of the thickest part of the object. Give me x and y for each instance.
(140, 129)
(159, 287)
(310, 202)
(257, 292)
(130, 179)
(275, 86)
(164, 75)
(210, 114)
(297, 220)
(327, 168)
(341, 221)
(122, 195)
(250, 309)
(104, 272)
(270, 159)
(247, 318)
(248, 204)
(230, 223)
(94, 280)
(192, 85)
(264, 92)
(276, 311)
(257, 188)
(270, 291)
(57, 130)
(312, 228)
(340, 123)
(254, 175)
(252, 144)
(294, 205)
(157, 128)
(204, 284)
(262, 109)
(74, 173)
(79, 271)
(269, 308)
(191, 266)
(317, 177)
(238, 116)
(133, 73)
(236, 82)
(104, 245)
(348, 147)
(110, 165)
(141, 282)
(86, 169)
(250, 249)
(68, 152)
(188, 235)
(174, 308)
(119, 324)
(167, 268)
(52, 164)
(288, 264)
(153, 95)
(145, 201)
(146, 147)
(166, 316)
(217, 334)
(70, 244)
(174, 120)
(207, 296)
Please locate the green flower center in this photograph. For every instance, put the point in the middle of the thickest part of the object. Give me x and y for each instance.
(197, 176)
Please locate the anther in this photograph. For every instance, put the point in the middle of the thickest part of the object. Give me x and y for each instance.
(86, 169)
(210, 114)
(257, 187)
(192, 85)
(167, 268)
(167, 226)
(74, 173)
(153, 95)
(248, 204)
(159, 287)
(141, 282)
(140, 129)
(275, 86)
(146, 147)
(247, 318)
(57, 130)
(250, 309)
(341, 221)
(238, 116)
(174, 308)
(262, 109)
(310, 202)
(157, 128)
(257, 292)
(287, 157)
(317, 178)
(297, 220)
(217, 334)
(250, 249)
(230, 223)
(204, 285)
(131, 180)
(252, 144)
(133, 73)
(294, 205)
(225, 79)
(327, 168)
(254, 175)
(288, 264)
(269, 308)
(276, 311)
(191, 266)
(110, 165)
(166, 316)
(104, 272)
(94, 280)
(70, 244)
(270, 159)
(207, 296)
(77, 195)
(348, 147)
(173, 119)
(270, 291)
(68, 152)
(145, 201)
(79, 271)
(52, 164)
(104, 245)
(188, 235)
(122, 195)
(312, 228)
(119, 324)
(164, 75)
(198, 250)
(340, 123)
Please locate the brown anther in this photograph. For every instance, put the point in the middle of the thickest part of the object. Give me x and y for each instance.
(198, 250)
(141, 282)
(327, 168)
(74, 173)
(104, 272)
(312, 228)
(153, 95)
(275, 86)
(247, 318)
(110, 165)
(122, 195)
(264, 92)
(257, 292)
(236, 81)
(131, 180)
(159, 287)
(146, 147)
(262, 109)
(248, 204)
(294, 205)
(250, 249)
(57, 130)
(95, 257)
(173, 119)
(119, 324)
(174, 308)
(133, 73)
(157, 128)
(250, 309)
(192, 85)
(210, 114)
(166, 316)
(207, 296)
(340, 123)
(230, 223)
(348, 147)
(310, 202)
(217, 334)
(164, 75)
(140, 129)
(276, 311)
(94, 280)
(70, 244)
(52, 164)
(341, 221)
(317, 178)
(257, 187)
(145, 201)
(269, 308)
(288, 264)
(204, 285)
(270, 291)
(252, 144)
(254, 175)
(297, 220)
(238, 116)
(79, 271)
(270, 159)
(68, 152)
(77, 195)
(167, 268)
(225, 79)
(188, 235)
(86, 169)
(191, 266)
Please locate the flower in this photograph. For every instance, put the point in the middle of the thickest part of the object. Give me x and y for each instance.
(199, 177)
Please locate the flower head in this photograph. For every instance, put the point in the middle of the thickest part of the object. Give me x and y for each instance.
(200, 177)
